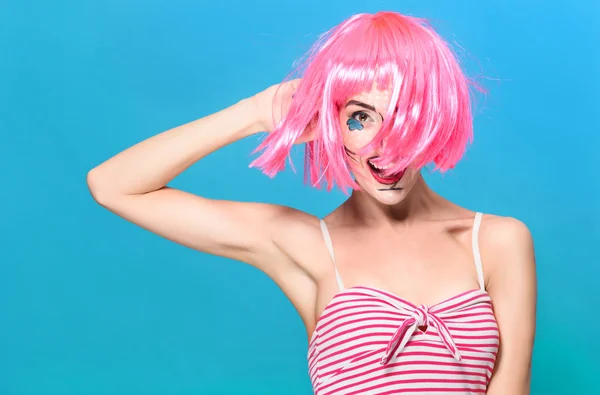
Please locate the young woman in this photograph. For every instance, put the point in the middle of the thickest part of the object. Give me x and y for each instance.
(401, 291)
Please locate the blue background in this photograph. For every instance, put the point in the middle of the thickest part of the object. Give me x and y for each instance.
(91, 304)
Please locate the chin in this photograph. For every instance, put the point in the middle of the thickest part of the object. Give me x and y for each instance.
(390, 198)
(388, 194)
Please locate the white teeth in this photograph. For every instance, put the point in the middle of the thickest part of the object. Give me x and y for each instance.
(379, 167)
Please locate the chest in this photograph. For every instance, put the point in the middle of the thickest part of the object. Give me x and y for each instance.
(370, 332)
(423, 265)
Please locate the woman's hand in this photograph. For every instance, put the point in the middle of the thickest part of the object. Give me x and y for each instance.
(273, 104)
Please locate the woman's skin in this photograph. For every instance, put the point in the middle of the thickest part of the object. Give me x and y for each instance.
(401, 237)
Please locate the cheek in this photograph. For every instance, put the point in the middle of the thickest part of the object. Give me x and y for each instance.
(412, 176)
(354, 140)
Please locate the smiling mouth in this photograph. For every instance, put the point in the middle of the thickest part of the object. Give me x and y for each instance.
(377, 173)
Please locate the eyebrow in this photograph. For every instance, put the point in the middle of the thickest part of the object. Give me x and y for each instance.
(363, 105)
(360, 104)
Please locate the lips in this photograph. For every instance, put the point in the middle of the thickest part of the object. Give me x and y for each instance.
(378, 175)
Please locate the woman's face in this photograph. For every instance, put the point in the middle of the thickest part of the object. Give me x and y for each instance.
(360, 120)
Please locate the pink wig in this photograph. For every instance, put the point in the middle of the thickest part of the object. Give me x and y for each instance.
(429, 118)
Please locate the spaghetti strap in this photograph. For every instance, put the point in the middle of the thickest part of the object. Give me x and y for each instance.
(329, 245)
(476, 253)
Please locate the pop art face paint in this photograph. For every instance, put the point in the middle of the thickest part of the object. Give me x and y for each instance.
(361, 119)
(353, 124)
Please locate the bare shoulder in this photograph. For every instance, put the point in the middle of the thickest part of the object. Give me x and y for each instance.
(299, 235)
(292, 224)
(505, 231)
(507, 246)
(508, 256)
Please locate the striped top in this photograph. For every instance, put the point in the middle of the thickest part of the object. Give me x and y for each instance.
(369, 341)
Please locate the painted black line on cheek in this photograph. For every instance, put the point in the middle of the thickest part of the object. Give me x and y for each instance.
(350, 154)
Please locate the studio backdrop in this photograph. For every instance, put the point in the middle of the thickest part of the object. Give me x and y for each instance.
(90, 304)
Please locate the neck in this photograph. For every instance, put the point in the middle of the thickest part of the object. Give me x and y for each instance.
(419, 203)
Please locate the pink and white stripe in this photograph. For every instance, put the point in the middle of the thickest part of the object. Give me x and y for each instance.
(368, 341)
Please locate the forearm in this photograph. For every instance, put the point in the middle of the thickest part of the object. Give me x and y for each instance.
(152, 163)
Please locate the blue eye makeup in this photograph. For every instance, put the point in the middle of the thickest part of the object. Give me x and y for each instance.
(357, 119)
(353, 124)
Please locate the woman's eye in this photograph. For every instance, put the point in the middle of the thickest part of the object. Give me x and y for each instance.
(361, 116)
(357, 120)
